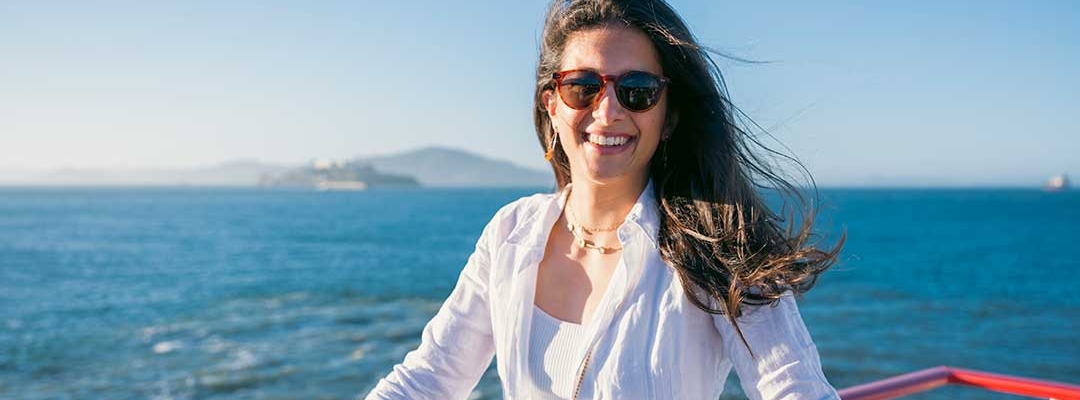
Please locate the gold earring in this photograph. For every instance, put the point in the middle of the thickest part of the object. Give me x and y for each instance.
(551, 150)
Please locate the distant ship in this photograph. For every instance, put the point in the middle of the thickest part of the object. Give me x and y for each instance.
(1057, 183)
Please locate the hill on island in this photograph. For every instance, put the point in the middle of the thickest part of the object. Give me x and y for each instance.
(325, 175)
(448, 167)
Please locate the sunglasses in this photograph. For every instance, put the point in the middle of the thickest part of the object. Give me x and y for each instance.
(637, 91)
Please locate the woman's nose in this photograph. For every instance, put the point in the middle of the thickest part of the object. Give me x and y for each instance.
(608, 109)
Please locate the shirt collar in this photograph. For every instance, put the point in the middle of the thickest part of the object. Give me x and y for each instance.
(645, 214)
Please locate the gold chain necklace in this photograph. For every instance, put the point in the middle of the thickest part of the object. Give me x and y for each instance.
(578, 238)
(588, 244)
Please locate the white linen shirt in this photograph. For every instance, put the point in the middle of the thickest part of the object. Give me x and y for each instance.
(648, 341)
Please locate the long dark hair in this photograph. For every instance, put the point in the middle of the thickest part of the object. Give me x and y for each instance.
(727, 246)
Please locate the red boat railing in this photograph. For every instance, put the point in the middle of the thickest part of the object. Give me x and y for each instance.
(919, 381)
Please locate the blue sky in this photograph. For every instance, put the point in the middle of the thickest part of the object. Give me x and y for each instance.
(919, 93)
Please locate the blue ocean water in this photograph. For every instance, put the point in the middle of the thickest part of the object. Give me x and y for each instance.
(189, 293)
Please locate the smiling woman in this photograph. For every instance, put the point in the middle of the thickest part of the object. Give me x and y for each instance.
(657, 267)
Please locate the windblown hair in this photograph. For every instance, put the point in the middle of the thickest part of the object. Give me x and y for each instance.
(727, 246)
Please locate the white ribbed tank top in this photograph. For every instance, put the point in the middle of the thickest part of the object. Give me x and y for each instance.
(552, 366)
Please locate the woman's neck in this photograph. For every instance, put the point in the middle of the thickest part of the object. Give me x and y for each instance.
(604, 204)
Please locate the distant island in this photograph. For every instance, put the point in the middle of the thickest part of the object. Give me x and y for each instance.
(425, 167)
(336, 175)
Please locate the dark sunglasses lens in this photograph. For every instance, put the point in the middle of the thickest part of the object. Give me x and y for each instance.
(638, 91)
(579, 89)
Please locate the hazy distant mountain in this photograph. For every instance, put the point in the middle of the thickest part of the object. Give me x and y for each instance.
(432, 166)
(446, 167)
(233, 173)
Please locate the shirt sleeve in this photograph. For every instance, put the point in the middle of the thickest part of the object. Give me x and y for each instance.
(456, 346)
(785, 362)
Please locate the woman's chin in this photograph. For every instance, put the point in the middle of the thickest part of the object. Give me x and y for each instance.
(606, 173)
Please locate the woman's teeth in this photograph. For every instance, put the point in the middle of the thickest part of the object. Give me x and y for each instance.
(608, 140)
